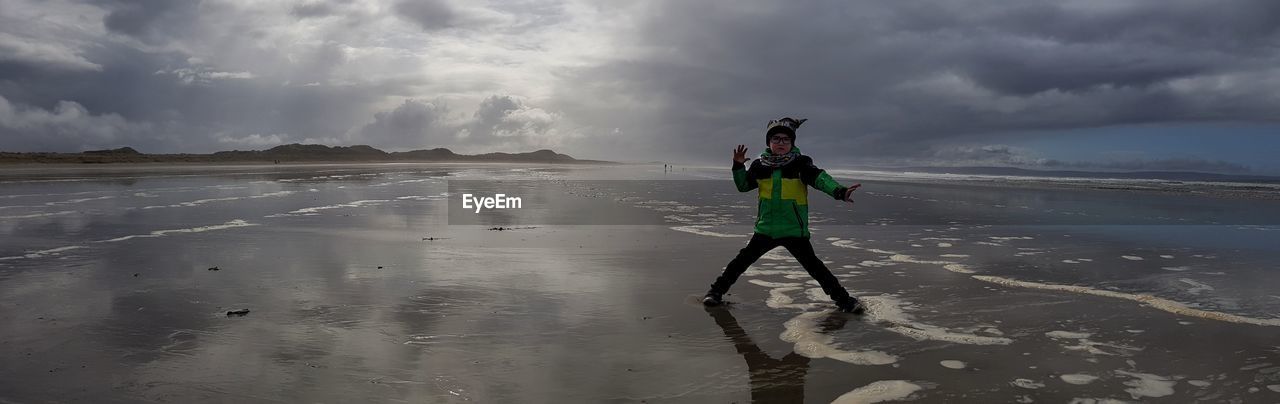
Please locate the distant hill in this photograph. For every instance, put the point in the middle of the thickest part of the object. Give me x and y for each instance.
(433, 154)
(123, 151)
(538, 155)
(290, 153)
(305, 152)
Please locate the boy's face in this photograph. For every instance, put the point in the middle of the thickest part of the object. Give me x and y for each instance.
(780, 144)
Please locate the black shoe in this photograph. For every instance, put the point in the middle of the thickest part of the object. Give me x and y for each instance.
(712, 299)
(851, 305)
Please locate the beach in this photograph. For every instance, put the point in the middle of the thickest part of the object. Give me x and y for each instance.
(370, 283)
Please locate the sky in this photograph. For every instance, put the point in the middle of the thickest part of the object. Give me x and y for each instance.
(1075, 84)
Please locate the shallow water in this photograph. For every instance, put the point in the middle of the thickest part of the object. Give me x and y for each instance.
(362, 286)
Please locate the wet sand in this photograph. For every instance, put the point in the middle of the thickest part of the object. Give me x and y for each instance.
(360, 289)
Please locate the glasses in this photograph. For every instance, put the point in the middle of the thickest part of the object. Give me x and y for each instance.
(780, 139)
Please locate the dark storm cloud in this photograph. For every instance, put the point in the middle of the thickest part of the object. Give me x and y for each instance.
(151, 20)
(890, 78)
(29, 42)
(19, 54)
(67, 125)
(684, 80)
(164, 98)
(312, 9)
(496, 18)
(207, 75)
(58, 110)
(411, 124)
(429, 14)
(192, 108)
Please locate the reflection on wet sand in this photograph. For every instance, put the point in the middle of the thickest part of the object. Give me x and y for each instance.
(361, 288)
(772, 380)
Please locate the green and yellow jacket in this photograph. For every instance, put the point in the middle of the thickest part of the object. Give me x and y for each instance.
(784, 193)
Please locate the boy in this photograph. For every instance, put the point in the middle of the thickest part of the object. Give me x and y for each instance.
(782, 174)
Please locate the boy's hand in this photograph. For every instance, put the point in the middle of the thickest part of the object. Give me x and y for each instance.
(740, 154)
(848, 193)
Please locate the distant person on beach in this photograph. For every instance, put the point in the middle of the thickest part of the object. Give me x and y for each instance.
(783, 176)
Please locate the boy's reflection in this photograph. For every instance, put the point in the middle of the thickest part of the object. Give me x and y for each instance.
(772, 380)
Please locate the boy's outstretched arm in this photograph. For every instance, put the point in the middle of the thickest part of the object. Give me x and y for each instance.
(740, 178)
(820, 180)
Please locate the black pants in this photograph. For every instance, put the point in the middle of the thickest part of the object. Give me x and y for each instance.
(797, 246)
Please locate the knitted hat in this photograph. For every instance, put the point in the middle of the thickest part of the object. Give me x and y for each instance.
(787, 125)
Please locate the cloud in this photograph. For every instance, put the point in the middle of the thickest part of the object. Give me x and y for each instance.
(312, 9)
(507, 119)
(896, 78)
(149, 20)
(255, 140)
(203, 76)
(678, 80)
(499, 122)
(435, 15)
(238, 69)
(429, 14)
(999, 155)
(43, 54)
(214, 73)
(411, 124)
(67, 126)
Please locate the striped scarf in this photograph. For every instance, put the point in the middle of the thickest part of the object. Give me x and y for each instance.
(778, 160)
